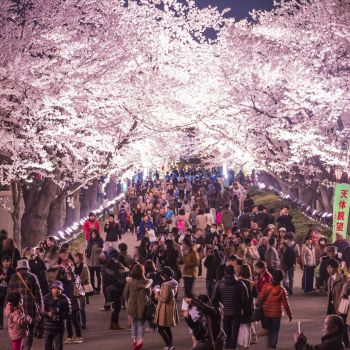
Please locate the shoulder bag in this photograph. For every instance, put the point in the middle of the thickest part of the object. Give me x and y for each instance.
(36, 305)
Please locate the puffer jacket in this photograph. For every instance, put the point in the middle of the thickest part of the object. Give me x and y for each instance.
(274, 297)
(61, 308)
(17, 322)
(232, 294)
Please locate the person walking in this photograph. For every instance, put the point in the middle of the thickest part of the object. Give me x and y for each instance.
(227, 217)
(271, 256)
(92, 253)
(308, 262)
(27, 285)
(6, 271)
(90, 224)
(18, 321)
(113, 233)
(166, 312)
(136, 292)
(232, 294)
(290, 251)
(272, 297)
(57, 309)
(190, 266)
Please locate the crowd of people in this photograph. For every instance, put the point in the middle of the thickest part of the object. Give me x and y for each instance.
(188, 225)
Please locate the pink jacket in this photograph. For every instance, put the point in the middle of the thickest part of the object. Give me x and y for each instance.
(17, 322)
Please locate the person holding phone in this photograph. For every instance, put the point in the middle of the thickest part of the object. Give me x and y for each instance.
(166, 313)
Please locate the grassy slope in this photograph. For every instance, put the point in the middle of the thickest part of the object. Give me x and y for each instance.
(301, 222)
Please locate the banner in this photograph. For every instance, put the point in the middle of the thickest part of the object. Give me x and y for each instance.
(341, 205)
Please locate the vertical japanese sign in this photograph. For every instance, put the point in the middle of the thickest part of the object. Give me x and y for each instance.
(341, 205)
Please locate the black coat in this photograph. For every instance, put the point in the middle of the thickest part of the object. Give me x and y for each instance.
(37, 266)
(244, 221)
(286, 222)
(329, 342)
(199, 328)
(112, 232)
(232, 294)
(61, 308)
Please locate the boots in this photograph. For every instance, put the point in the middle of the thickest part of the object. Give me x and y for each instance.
(116, 326)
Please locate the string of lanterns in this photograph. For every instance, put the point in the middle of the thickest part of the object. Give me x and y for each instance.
(73, 231)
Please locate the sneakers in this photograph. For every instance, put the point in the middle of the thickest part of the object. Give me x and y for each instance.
(77, 340)
(69, 341)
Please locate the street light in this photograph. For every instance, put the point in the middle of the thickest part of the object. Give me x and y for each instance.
(338, 173)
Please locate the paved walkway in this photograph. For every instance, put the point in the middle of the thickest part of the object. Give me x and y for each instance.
(309, 309)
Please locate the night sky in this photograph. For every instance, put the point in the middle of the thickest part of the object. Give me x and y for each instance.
(239, 8)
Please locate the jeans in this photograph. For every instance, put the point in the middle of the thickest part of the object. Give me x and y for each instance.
(188, 284)
(138, 329)
(17, 344)
(273, 324)
(53, 340)
(165, 333)
(231, 328)
(289, 279)
(210, 285)
(92, 271)
(28, 341)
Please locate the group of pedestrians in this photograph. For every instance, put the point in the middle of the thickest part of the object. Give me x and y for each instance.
(187, 226)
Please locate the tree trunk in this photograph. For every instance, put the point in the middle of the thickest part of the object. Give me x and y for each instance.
(326, 199)
(73, 212)
(57, 215)
(92, 195)
(16, 201)
(37, 198)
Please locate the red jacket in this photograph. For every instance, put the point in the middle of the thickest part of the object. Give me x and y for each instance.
(273, 298)
(88, 226)
(263, 279)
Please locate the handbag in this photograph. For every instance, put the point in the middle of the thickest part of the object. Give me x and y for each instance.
(37, 307)
(343, 306)
(89, 291)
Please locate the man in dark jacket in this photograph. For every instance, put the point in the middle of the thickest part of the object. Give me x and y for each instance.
(332, 331)
(212, 263)
(285, 220)
(57, 308)
(233, 295)
(27, 284)
(244, 220)
(113, 232)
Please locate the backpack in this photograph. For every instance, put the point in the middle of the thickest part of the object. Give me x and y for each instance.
(181, 225)
(289, 258)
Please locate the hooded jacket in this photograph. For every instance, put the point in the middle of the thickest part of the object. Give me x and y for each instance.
(136, 293)
(17, 322)
(166, 312)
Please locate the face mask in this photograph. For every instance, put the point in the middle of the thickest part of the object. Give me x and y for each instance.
(212, 230)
